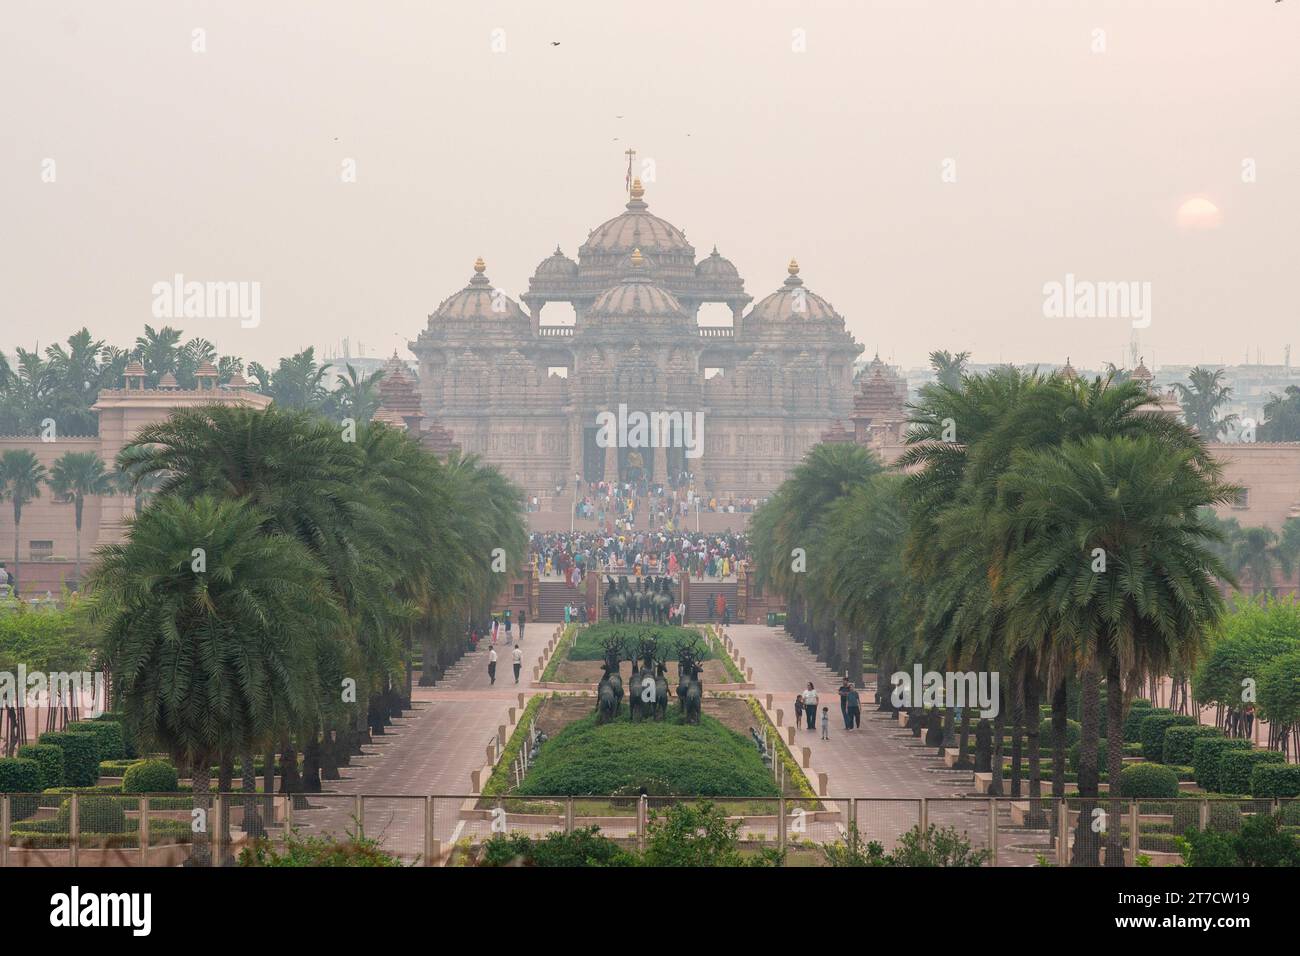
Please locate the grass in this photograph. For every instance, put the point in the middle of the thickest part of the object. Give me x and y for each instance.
(667, 758)
(589, 645)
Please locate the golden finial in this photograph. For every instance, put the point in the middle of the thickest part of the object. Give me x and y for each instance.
(793, 267)
(637, 189)
(479, 265)
(637, 259)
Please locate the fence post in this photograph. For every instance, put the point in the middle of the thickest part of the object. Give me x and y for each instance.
(288, 815)
(4, 830)
(780, 825)
(924, 822)
(430, 848)
(74, 831)
(853, 812)
(142, 831)
(1063, 834)
(1204, 814)
(217, 826)
(568, 814)
(359, 808)
(640, 824)
(1133, 833)
(993, 831)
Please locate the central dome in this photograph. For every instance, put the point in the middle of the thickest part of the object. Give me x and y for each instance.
(637, 229)
(637, 295)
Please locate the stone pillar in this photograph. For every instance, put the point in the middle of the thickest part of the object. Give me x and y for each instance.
(660, 462)
(611, 462)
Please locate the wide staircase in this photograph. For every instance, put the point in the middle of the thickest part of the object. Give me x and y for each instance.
(697, 604)
(552, 596)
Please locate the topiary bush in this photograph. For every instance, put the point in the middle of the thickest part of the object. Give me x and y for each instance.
(1236, 766)
(19, 775)
(1152, 733)
(51, 760)
(94, 815)
(129, 750)
(150, 776)
(1205, 758)
(1133, 719)
(1275, 780)
(109, 734)
(1179, 741)
(1148, 780)
(80, 756)
(1072, 733)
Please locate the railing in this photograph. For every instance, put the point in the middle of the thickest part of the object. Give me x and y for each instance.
(717, 332)
(81, 829)
(555, 331)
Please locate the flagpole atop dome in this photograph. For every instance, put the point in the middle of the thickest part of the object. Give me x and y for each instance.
(630, 153)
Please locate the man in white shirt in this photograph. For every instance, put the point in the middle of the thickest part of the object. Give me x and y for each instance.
(492, 665)
(518, 656)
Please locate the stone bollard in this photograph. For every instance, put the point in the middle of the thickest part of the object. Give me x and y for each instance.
(749, 675)
(521, 701)
(807, 757)
(821, 784)
(780, 714)
(511, 715)
(474, 776)
(501, 734)
(742, 663)
(492, 754)
(769, 704)
(537, 673)
(789, 733)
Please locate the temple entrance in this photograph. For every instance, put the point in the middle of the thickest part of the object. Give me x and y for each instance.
(635, 464)
(593, 456)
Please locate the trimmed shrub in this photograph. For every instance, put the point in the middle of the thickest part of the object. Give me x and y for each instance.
(51, 760)
(107, 732)
(94, 815)
(1148, 780)
(80, 756)
(128, 744)
(19, 775)
(1136, 714)
(1152, 733)
(150, 776)
(1179, 740)
(1236, 766)
(1275, 780)
(1205, 758)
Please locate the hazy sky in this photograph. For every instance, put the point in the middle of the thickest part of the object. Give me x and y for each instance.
(226, 164)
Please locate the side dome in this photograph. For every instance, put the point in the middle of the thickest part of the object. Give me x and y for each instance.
(714, 266)
(556, 266)
(478, 301)
(792, 303)
(637, 228)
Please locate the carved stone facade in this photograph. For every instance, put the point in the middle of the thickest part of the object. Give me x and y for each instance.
(526, 395)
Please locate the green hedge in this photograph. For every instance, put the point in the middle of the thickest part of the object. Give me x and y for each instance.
(1133, 719)
(51, 760)
(1179, 740)
(150, 776)
(1275, 780)
(1148, 780)
(1236, 766)
(1152, 733)
(80, 756)
(1225, 816)
(128, 744)
(109, 734)
(1072, 733)
(1205, 758)
(94, 815)
(588, 645)
(19, 775)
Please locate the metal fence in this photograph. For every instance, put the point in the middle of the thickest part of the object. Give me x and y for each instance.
(96, 829)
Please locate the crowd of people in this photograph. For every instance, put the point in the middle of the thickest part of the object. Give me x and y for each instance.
(637, 553)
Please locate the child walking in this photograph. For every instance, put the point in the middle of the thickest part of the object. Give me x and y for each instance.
(826, 724)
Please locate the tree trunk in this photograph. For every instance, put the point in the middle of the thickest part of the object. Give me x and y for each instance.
(999, 728)
(311, 762)
(855, 659)
(1017, 726)
(963, 747)
(1086, 842)
(268, 784)
(200, 778)
(1114, 764)
(1033, 741)
(248, 784)
(1060, 739)
(329, 763)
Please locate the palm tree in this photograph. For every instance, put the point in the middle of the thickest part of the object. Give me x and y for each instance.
(1281, 417)
(211, 657)
(358, 394)
(1255, 556)
(76, 475)
(157, 351)
(21, 477)
(1201, 398)
(949, 368)
(1138, 500)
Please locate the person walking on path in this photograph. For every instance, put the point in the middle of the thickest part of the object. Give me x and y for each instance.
(492, 665)
(798, 710)
(810, 706)
(518, 656)
(854, 714)
(826, 723)
(523, 619)
(507, 625)
(843, 692)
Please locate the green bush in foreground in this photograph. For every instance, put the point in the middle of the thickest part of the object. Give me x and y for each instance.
(935, 847)
(51, 760)
(80, 756)
(703, 760)
(1224, 816)
(94, 815)
(1275, 780)
(1262, 841)
(1206, 752)
(583, 847)
(150, 776)
(1148, 780)
(1179, 741)
(1236, 766)
(355, 851)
